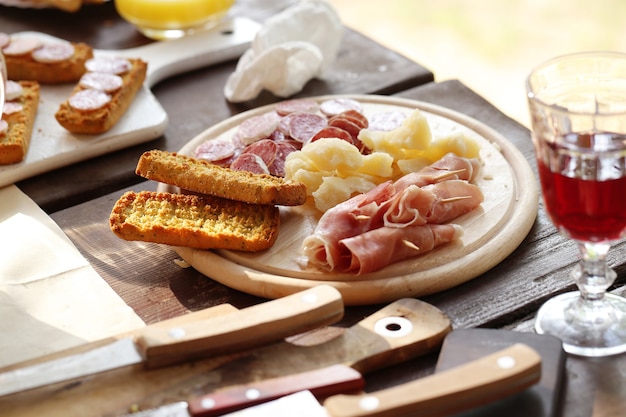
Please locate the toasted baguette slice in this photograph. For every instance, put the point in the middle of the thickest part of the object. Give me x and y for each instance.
(24, 67)
(206, 178)
(202, 222)
(104, 118)
(15, 141)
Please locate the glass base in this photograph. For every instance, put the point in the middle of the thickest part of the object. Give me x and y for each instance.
(598, 329)
(165, 34)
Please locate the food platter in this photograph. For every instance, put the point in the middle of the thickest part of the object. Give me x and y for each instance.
(491, 232)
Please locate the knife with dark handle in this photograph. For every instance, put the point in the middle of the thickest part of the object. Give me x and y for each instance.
(402, 330)
(501, 374)
(157, 345)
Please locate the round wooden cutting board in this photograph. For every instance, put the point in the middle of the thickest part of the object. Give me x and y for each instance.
(491, 232)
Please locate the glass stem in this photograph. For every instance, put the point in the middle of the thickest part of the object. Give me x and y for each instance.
(593, 275)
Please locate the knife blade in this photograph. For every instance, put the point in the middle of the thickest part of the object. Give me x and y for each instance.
(158, 345)
(397, 332)
(503, 373)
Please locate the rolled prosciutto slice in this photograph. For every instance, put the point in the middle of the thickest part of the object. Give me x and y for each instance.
(378, 248)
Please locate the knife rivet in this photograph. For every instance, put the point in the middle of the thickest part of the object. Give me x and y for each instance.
(176, 333)
(207, 403)
(253, 394)
(309, 298)
(369, 403)
(506, 362)
(393, 327)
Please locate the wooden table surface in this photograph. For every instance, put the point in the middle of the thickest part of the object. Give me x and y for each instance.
(79, 198)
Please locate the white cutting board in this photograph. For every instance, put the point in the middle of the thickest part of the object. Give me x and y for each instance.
(53, 147)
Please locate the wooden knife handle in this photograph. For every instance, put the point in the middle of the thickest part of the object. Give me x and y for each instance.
(254, 326)
(492, 377)
(320, 382)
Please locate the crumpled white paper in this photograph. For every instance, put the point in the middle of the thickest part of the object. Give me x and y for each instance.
(291, 48)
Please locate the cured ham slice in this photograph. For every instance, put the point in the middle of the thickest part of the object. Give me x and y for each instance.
(373, 250)
(431, 197)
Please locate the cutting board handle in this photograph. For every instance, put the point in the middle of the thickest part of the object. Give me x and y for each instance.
(228, 41)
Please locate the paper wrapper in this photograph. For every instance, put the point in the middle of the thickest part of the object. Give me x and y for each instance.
(50, 297)
(291, 48)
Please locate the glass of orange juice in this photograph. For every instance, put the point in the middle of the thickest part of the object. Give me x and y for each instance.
(170, 19)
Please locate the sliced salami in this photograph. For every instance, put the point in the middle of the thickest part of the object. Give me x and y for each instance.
(4, 127)
(335, 106)
(258, 127)
(11, 107)
(333, 132)
(112, 65)
(386, 121)
(345, 124)
(282, 150)
(13, 90)
(21, 46)
(4, 39)
(265, 148)
(355, 117)
(53, 52)
(216, 150)
(303, 126)
(250, 162)
(303, 105)
(102, 81)
(89, 99)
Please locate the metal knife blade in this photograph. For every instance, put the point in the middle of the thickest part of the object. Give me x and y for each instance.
(397, 332)
(492, 377)
(156, 345)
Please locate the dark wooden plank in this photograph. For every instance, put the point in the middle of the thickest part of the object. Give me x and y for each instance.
(193, 101)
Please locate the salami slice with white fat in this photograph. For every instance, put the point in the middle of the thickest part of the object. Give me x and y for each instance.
(265, 148)
(250, 162)
(303, 126)
(333, 132)
(355, 117)
(11, 107)
(282, 150)
(102, 81)
(335, 106)
(21, 46)
(53, 52)
(4, 39)
(111, 65)
(303, 105)
(89, 99)
(258, 127)
(216, 149)
(4, 127)
(13, 90)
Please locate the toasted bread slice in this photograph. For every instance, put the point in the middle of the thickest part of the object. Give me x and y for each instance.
(14, 142)
(202, 222)
(101, 119)
(25, 67)
(204, 177)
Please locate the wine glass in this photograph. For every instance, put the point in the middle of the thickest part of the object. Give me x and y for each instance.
(578, 115)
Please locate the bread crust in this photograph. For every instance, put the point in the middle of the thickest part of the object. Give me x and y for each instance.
(24, 67)
(202, 222)
(203, 177)
(102, 119)
(15, 141)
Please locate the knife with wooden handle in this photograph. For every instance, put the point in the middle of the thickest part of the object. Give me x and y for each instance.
(157, 345)
(400, 331)
(495, 376)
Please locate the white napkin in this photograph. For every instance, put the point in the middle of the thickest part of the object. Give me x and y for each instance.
(291, 48)
(50, 297)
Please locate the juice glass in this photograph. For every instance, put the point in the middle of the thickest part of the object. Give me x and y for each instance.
(578, 114)
(170, 19)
